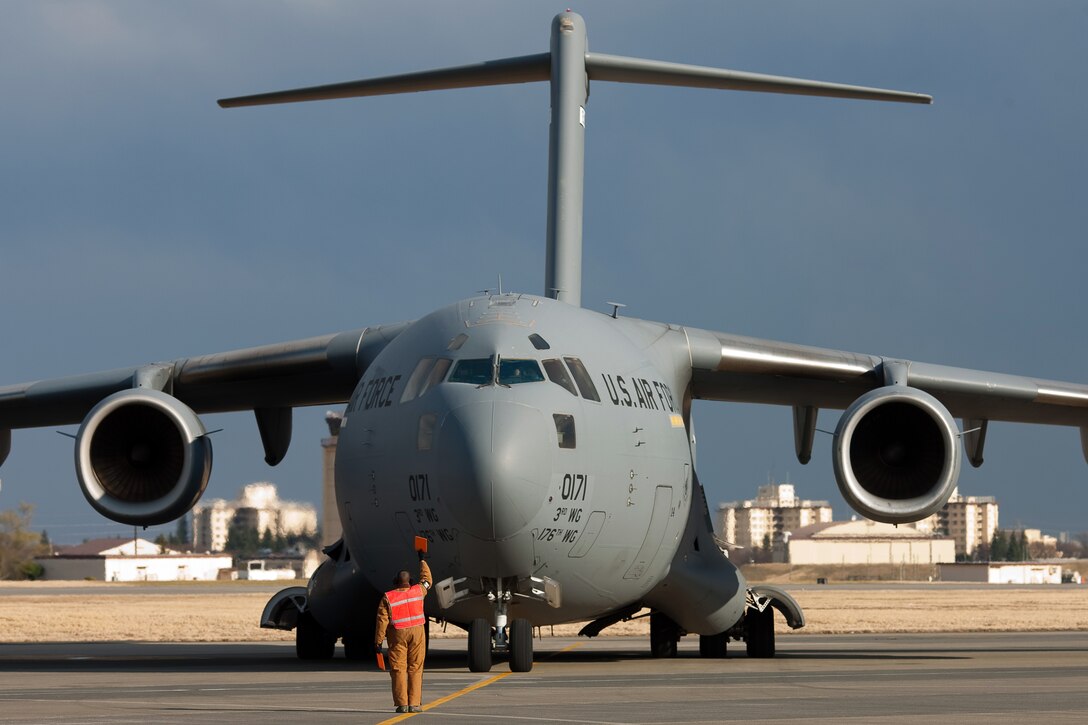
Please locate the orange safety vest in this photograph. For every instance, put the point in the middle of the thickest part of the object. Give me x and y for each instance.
(406, 607)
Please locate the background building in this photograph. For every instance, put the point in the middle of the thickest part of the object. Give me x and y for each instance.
(775, 511)
(969, 520)
(862, 541)
(128, 560)
(258, 507)
(1002, 573)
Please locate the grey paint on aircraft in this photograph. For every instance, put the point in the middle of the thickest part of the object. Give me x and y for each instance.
(585, 488)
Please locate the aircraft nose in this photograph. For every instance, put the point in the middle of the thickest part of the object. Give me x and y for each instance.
(494, 466)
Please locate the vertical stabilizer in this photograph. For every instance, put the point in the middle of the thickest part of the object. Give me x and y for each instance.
(569, 67)
(566, 159)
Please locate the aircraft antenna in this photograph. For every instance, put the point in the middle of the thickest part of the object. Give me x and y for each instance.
(569, 67)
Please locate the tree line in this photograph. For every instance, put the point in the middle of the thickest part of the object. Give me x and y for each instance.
(20, 545)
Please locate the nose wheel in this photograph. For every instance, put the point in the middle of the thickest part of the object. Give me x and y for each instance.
(479, 646)
(520, 642)
(484, 640)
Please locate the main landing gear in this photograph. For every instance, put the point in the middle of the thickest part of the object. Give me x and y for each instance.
(665, 634)
(312, 642)
(759, 634)
(756, 629)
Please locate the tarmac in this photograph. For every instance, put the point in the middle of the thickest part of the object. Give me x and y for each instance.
(907, 678)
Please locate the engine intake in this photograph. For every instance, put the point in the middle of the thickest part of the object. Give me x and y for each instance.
(896, 454)
(142, 457)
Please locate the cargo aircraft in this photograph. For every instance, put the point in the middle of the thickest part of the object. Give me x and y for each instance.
(545, 449)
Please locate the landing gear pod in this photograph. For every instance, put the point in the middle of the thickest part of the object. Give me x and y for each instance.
(896, 454)
(142, 457)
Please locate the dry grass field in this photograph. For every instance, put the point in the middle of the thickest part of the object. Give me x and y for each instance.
(86, 611)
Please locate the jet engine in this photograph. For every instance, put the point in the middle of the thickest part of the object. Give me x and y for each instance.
(896, 454)
(142, 457)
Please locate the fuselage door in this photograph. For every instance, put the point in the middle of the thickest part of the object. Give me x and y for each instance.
(654, 533)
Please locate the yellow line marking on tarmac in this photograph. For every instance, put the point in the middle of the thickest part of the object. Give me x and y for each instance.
(470, 688)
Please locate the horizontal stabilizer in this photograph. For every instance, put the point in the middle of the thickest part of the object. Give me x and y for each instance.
(620, 69)
(523, 69)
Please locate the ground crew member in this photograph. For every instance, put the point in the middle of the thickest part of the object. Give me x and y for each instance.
(401, 621)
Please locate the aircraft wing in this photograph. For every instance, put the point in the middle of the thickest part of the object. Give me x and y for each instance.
(744, 369)
(278, 377)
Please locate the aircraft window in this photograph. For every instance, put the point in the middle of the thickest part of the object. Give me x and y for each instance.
(512, 372)
(564, 428)
(539, 342)
(438, 373)
(457, 342)
(581, 377)
(557, 373)
(425, 437)
(477, 371)
(416, 379)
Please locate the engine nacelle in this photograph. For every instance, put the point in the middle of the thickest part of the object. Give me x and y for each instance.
(896, 454)
(142, 457)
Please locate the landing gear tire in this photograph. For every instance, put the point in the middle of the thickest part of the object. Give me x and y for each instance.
(760, 636)
(479, 646)
(357, 648)
(312, 642)
(713, 645)
(521, 645)
(663, 635)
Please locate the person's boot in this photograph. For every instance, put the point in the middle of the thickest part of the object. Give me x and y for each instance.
(402, 708)
(415, 708)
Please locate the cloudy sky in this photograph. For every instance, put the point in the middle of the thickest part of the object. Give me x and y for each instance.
(140, 222)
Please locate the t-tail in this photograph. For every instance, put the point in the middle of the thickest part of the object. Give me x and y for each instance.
(569, 67)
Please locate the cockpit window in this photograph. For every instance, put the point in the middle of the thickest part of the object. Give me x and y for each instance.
(457, 342)
(438, 373)
(428, 373)
(539, 342)
(416, 379)
(425, 434)
(581, 377)
(477, 371)
(564, 429)
(512, 372)
(481, 371)
(557, 373)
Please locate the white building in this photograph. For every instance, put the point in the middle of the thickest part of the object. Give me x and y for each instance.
(970, 520)
(1002, 573)
(775, 511)
(257, 506)
(867, 542)
(130, 560)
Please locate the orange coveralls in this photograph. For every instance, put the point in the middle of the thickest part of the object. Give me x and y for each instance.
(407, 647)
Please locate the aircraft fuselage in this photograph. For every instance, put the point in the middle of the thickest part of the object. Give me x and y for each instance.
(523, 437)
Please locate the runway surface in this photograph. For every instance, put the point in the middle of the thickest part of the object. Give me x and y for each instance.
(961, 678)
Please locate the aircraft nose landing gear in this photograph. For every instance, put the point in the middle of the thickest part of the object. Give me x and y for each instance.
(499, 635)
(515, 639)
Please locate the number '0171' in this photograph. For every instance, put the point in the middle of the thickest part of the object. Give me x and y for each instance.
(419, 487)
(574, 486)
